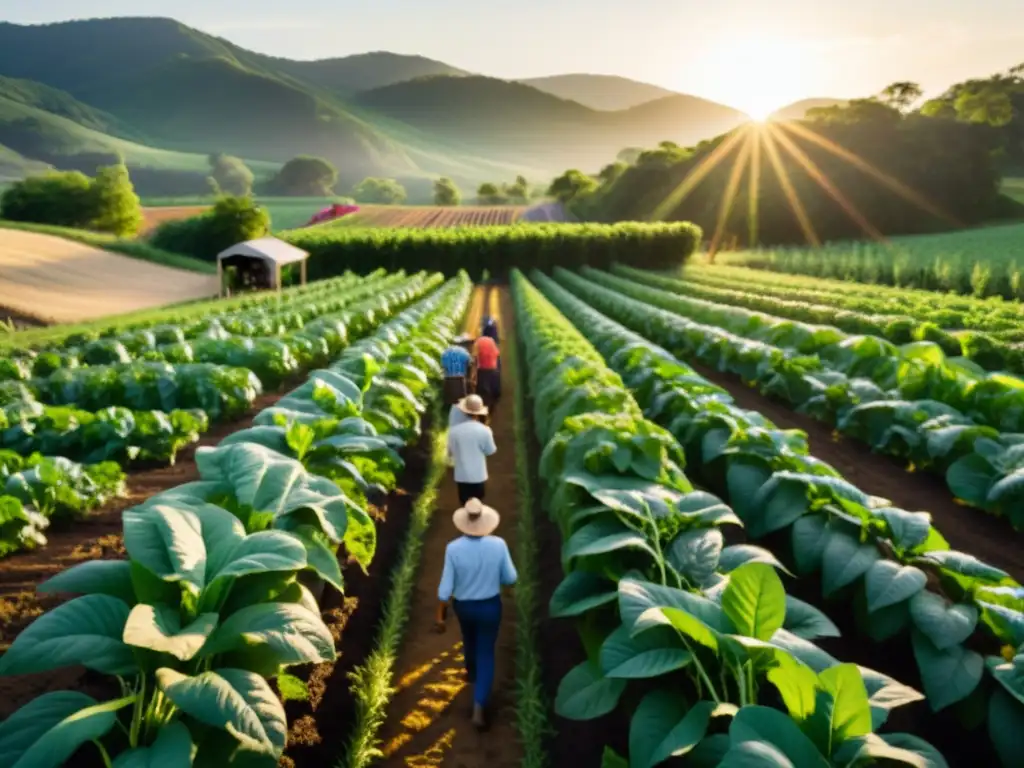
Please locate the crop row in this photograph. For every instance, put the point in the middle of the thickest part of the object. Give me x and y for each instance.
(910, 401)
(270, 343)
(155, 430)
(216, 598)
(698, 641)
(974, 262)
(185, 316)
(984, 349)
(994, 316)
(890, 565)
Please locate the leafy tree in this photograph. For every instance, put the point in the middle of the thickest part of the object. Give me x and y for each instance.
(107, 203)
(612, 171)
(231, 220)
(629, 155)
(61, 198)
(519, 190)
(489, 194)
(305, 176)
(901, 95)
(231, 174)
(380, 191)
(571, 184)
(446, 193)
(115, 206)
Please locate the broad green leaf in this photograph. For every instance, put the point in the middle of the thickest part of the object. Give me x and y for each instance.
(233, 700)
(810, 534)
(886, 694)
(755, 600)
(649, 654)
(663, 726)
(887, 583)
(695, 553)
(739, 554)
(95, 577)
(603, 536)
(158, 628)
(172, 749)
(269, 482)
(686, 623)
(948, 675)
(779, 502)
(968, 565)
(48, 730)
(796, 683)
(1010, 675)
(320, 557)
(579, 592)
(944, 624)
(872, 748)
(804, 650)
(909, 529)
(843, 706)
(806, 621)
(585, 693)
(295, 635)
(845, 559)
(1005, 714)
(769, 726)
(636, 597)
(610, 759)
(757, 754)
(86, 631)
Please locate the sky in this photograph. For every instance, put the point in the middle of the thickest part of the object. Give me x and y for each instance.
(755, 55)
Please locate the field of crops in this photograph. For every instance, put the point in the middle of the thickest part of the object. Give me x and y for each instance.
(721, 559)
(429, 216)
(973, 262)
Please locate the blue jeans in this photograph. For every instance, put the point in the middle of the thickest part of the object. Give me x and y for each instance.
(479, 621)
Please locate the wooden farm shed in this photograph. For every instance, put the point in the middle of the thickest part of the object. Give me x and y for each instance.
(259, 262)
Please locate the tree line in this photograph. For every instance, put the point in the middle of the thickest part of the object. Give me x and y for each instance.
(870, 167)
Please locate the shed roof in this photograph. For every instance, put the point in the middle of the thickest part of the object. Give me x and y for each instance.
(266, 248)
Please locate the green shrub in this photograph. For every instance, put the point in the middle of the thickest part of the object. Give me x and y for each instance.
(497, 249)
(305, 176)
(380, 191)
(446, 192)
(107, 203)
(982, 349)
(231, 220)
(931, 332)
(900, 331)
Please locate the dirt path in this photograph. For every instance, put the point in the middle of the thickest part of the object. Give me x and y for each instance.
(428, 722)
(969, 530)
(61, 281)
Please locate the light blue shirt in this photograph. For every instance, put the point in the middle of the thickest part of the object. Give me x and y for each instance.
(475, 568)
(469, 445)
(455, 361)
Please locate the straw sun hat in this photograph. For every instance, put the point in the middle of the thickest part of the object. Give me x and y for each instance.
(473, 405)
(476, 519)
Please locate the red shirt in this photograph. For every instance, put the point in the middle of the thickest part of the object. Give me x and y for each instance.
(487, 353)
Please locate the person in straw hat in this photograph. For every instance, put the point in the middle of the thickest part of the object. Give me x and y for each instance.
(469, 445)
(476, 566)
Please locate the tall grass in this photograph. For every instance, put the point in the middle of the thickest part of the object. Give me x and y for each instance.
(532, 711)
(976, 262)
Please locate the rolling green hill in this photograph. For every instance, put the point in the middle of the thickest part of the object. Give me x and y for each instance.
(517, 122)
(163, 96)
(604, 92)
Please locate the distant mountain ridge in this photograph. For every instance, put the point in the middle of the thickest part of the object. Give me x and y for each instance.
(129, 85)
(602, 92)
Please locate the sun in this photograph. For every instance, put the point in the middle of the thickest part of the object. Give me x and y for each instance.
(758, 75)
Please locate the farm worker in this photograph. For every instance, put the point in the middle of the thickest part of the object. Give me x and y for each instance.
(490, 328)
(469, 445)
(476, 566)
(488, 373)
(456, 362)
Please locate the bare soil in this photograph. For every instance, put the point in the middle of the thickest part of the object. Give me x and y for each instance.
(429, 717)
(154, 217)
(60, 281)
